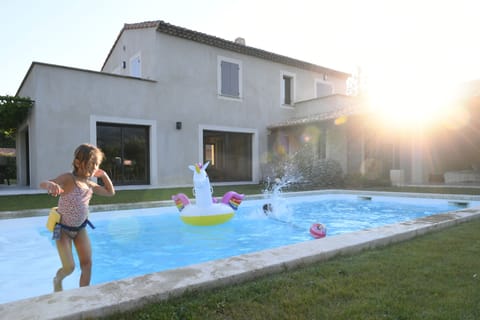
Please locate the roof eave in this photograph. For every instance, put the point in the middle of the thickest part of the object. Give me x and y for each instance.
(243, 49)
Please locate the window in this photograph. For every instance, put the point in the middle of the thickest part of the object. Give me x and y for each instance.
(126, 149)
(230, 155)
(229, 78)
(287, 88)
(323, 88)
(210, 153)
(136, 66)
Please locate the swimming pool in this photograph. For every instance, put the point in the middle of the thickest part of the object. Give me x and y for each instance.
(135, 242)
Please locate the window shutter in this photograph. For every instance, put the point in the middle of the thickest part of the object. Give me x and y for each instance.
(230, 79)
(288, 90)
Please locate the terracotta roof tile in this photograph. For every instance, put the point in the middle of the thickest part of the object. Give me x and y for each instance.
(241, 48)
(204, 38)
(141, 25)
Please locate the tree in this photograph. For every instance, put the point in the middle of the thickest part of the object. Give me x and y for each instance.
(13, 111)
(357, 83)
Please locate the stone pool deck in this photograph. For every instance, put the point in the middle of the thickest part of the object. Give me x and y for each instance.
(108, 298)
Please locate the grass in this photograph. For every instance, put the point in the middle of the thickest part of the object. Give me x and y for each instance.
(41, 201)
(435, 276)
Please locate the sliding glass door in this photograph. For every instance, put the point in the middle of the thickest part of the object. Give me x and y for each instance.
(230, 155)
(126, 148)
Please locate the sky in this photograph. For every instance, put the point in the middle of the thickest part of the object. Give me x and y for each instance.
(426, 43)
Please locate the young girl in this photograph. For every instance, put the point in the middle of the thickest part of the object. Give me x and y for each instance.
(75, 189)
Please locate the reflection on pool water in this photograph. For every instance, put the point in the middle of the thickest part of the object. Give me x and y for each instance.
(135, 242)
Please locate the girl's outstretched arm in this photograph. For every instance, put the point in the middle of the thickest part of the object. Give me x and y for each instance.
(62, 183)
(107, 189)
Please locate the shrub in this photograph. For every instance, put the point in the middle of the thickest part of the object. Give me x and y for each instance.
(326, 173)
(304, 170)
(358, 181)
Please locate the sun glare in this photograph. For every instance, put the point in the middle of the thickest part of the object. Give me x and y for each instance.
(410, 103)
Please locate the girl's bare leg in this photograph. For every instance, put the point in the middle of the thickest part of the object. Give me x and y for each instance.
(84, 250)
(64, 247)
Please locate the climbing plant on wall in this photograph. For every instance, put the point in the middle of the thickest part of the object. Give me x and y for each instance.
(13, 111)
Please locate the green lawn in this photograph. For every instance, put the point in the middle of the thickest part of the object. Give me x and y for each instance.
(41, 201)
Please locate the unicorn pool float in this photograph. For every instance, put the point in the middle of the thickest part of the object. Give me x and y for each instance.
(206, 211)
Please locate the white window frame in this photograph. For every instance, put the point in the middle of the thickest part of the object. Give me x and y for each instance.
(132, 59)
(219, 78)
(293, 88)
(94, 119)
(255, 146)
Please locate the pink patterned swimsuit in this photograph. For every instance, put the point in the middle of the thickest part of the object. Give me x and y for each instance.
(73, 208)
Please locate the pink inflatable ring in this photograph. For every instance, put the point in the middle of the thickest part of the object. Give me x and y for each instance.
(318, 230)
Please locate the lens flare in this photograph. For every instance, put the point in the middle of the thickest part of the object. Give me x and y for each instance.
(457, 118)
(311, 134)
(340, 120)
(281, 149)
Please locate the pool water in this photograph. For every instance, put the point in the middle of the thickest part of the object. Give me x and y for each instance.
(136, 242)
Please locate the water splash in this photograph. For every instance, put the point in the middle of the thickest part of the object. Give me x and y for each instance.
(275, 205)
(274, 187)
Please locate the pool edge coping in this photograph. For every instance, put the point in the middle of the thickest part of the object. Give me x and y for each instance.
(170, 203)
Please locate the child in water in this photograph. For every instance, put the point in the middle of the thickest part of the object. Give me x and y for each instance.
(267, 208)
(75, 190)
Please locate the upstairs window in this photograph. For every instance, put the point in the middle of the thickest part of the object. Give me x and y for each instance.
(229, 77)
(287, 88)
(136, 66)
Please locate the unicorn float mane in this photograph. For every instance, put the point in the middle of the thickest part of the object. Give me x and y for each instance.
(202, 189)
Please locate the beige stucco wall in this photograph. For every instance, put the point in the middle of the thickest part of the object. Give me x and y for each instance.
(182, 86)
(69, 103)
(65, 102)
(130, 44)
(187, 74)
(187, 78)
(325, 104)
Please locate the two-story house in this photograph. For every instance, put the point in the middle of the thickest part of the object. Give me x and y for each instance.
(167, 97)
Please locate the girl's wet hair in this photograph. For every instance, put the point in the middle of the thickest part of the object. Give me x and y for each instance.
(85, 153)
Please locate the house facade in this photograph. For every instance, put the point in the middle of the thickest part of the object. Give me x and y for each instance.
(167, 97)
